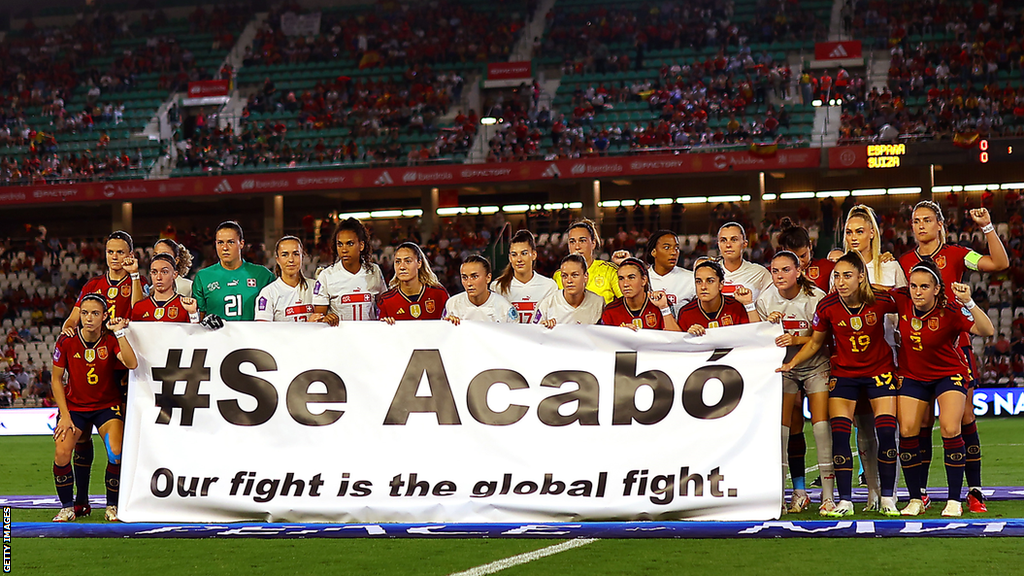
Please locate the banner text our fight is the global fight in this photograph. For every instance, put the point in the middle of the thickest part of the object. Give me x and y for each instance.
(429, 422)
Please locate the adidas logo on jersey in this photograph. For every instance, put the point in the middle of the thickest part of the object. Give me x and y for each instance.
(384, 179)
(838, 52)
(552, 172)
(223, 187)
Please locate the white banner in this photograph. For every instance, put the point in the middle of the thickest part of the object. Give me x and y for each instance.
(28, 421)
(429, 422)
(293, 24)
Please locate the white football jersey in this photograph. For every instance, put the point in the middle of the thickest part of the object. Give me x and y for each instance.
(678, 286)
(753, 276)
(279, 302)
(526, 297)
(350, 296)
(588, 312)
(797, 319)
(495, 309)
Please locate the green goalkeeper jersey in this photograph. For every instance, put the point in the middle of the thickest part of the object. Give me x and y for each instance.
(230, 294)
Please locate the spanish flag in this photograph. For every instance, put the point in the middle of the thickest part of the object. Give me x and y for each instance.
(966, 139)
(764, 149)
(369, 59)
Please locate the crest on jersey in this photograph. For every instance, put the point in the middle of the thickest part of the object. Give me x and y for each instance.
(90, 355)
(158, 313)
(933, 324)
(712, 324)
(871, 318)
(599, 281)
(940, 261)
(126, 290)
(727, 320)
(430, 306)
(112, 292)
(103, 353)
(638, 323)
(251, 282)
(415, 310)
(813, 272)
(856, 323)
(172, 313)
(651, 320)
(916, 323)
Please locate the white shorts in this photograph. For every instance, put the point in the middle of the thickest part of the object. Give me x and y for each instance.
(813, 384)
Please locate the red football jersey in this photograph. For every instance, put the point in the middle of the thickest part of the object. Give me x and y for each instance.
(428, 305)
(118, 294)
(617, 313)
(93, 382)
(860, 349)
(729, 314)
(149, 310)
(928, 343)
(820, 272)
(952, 263)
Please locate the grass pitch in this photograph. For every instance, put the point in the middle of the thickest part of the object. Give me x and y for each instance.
(25, 468)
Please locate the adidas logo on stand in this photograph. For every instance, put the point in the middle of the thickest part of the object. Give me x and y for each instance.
(223, 187)
(838, 52)
(552, 172)
(384, 179)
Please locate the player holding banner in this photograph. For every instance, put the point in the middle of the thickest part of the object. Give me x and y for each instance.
(791, 302)
(797, 240)
(92, 357)
(712, 308)
(639, 307)
(574, 304)
(164, 303)
(478, 303)
(348, 288)
(228, 289)
(415, 292)
(732, 242)
(932, 366)
(953, 261)
(854, 316)
(662, 253)
(290, 297)
(519, 283)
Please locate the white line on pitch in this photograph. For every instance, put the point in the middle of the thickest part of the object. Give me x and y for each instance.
(524, 558)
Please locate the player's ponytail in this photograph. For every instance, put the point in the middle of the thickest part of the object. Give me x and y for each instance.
(505, 279)
(793, 237)
(864, 290)
(182, 256)
(803, 281)
(868, 215)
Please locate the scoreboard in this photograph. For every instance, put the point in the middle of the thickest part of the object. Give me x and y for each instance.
(888, 156)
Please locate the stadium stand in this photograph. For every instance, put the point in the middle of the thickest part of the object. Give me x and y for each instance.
(79, 120)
